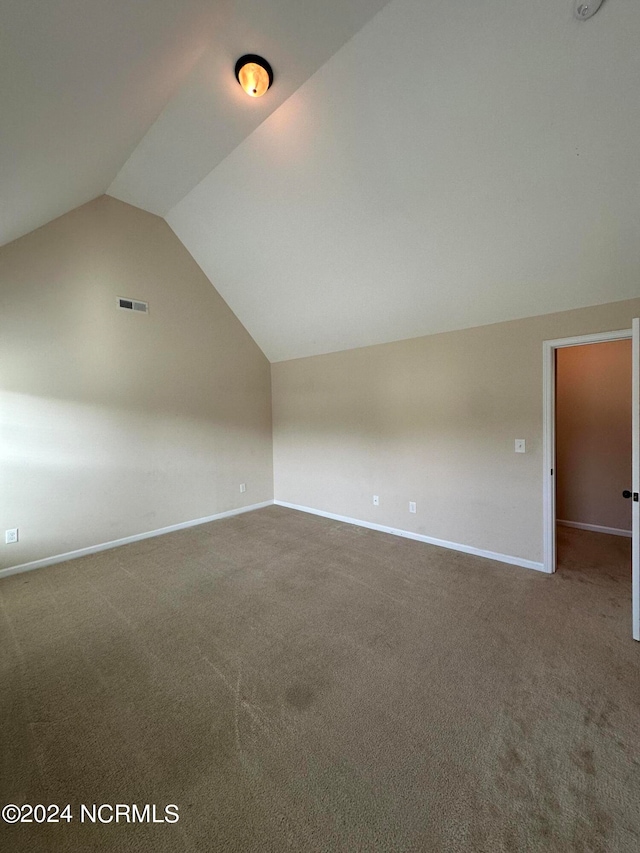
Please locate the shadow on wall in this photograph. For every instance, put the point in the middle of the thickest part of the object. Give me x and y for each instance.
(78, 474)
(116, 423)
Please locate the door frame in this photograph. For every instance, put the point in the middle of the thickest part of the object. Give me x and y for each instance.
(549, 431)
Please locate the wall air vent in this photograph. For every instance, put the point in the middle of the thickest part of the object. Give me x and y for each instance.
(133, 305)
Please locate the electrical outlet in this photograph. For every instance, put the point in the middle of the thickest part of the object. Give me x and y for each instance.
(243, 487)
(520, 446)
(376, 500)
(412, 506)
(11, 536)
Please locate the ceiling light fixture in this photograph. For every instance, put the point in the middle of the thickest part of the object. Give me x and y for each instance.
(254, 74)
(584, 9)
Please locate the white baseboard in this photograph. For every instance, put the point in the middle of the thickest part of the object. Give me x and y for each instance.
(430, 540)
(596, 528)
(105, 546)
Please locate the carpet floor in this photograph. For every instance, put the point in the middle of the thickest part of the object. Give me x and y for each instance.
(293, 683)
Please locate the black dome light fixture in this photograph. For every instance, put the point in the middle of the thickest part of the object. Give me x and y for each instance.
(254, 74)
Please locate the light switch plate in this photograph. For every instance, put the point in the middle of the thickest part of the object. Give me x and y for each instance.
(520, 447)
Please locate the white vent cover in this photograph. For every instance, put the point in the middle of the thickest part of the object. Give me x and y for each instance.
(133, 305)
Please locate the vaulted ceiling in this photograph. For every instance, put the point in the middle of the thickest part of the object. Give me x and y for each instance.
(417, 166)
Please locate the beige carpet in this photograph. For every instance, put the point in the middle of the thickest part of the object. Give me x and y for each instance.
(292, 683)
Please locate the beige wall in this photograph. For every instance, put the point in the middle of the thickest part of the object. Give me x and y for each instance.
(593, 437)
(114, 423)
(431, 420)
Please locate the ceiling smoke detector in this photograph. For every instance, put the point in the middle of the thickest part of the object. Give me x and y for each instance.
(585, 9)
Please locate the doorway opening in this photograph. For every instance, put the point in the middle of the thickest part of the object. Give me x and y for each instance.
(582, 491)
(593, 457)
(550, 349)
